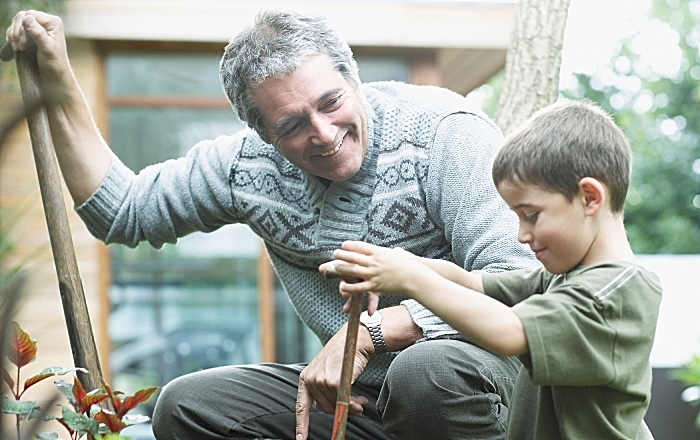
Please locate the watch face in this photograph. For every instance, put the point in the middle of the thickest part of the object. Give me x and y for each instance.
(375, 319)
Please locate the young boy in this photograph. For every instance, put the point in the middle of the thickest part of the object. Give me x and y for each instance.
(583, 325)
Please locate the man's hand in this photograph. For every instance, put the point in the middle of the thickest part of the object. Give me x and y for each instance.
(82, 153)
(319, 381)
(47, 32)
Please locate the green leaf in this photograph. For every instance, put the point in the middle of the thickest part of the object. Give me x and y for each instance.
(133, 419)
(112, 436)
(80, 422)
(46, 436)
(36, 412)
(66, 390)
(49, 417)
(689, 373)
(20, 407)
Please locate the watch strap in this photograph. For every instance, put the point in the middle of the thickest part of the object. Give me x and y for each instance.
(374, 326)
(375, 332)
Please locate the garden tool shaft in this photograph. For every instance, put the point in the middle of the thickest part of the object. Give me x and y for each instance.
(342, 405)
(70, 286)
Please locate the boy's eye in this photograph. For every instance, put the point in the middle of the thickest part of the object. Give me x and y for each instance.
(530, 218)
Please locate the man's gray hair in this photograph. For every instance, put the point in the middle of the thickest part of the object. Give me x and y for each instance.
(277, 44)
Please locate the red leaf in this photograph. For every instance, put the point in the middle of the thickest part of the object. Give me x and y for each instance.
(22, 348)
(92, 399)
(79, 393)
(38, 378)
(114, 396)
(113, 423)
(8, 380)
(130, 402)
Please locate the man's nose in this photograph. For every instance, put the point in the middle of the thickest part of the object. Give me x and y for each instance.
(323, 130)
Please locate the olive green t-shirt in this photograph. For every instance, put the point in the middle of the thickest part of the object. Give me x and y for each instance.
(590, 331)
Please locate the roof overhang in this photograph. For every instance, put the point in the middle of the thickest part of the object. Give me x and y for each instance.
(469, 37)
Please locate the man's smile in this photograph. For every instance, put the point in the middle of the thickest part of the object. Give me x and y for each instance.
(334, 150)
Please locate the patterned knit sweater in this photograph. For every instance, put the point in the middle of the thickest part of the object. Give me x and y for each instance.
(425, 185)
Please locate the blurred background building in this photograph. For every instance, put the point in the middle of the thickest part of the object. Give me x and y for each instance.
(149, 71)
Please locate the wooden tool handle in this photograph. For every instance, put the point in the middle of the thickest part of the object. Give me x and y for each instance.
(6, 52)
(344, 389)
(70, 286)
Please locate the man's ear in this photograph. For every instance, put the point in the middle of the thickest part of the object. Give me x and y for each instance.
(593, 194)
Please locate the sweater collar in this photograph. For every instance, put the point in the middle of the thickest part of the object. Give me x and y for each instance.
(345, 204)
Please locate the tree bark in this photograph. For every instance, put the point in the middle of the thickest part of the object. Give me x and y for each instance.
(533, 61)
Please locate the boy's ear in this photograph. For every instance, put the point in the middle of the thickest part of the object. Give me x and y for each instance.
(593, 193)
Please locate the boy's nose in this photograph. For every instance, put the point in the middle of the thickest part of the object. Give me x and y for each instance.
(524, 235)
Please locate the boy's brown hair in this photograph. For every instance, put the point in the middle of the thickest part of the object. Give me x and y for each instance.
(563, 143)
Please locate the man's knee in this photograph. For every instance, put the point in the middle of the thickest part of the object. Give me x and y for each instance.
(166, 407)
(448, 388)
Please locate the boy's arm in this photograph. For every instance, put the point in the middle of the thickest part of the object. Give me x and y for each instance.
(455, 273)
(481, 319)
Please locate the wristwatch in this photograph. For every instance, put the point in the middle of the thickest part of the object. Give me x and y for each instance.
(374, 325)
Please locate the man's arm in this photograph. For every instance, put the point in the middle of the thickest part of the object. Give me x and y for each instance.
(462, 199)
(82, 153)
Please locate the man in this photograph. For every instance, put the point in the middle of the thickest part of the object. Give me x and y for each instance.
(325, 160)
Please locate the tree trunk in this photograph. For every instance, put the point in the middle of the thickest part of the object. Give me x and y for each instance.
(532, 62)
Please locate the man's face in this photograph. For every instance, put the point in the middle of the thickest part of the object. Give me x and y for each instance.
(315, 119)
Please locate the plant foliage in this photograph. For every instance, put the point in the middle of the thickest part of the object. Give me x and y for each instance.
(658, 107)
(689, 374)
(91, 414)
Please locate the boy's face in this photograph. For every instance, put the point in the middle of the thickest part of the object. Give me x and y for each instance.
(555, 228)
(315, 119)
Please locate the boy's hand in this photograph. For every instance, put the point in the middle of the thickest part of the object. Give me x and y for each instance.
(381, 269)
(329, 269)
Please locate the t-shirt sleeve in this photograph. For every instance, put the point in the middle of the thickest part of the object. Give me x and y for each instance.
(515, 286)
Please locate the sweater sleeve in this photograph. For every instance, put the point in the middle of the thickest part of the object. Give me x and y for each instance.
(167, 200)
(463, 200)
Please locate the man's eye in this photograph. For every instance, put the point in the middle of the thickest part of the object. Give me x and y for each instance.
(293, 129)
(332, 103)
